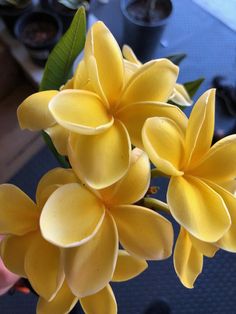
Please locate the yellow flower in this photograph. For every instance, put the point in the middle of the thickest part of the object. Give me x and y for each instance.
(195, 197)
(89, 224)
(103, 301)
(23, 250)
(104, 113)
(179, 95)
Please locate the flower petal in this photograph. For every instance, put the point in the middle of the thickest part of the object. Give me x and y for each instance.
(198, 208)
(13, 251)
(52, 180)
(228, 241)
(200, 128)
(130, 69)
(100, 303)
(128, 267)
(80, 111)
(33, 113)
(90, 267)
(180, 96)
(71, 216)
(102, 159)
(133, 186)
(59, 137)
(43, 266)
(142, 232)
(63, 302)
(160, 135)
(219, 164)
(153, 81)
(135, 115)
(188, 261)
(18, 212)
(110, 64)
(130, 55)
(205, 248)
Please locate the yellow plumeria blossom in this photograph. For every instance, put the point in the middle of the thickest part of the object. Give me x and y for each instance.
(103, 112)
(188, 257)
(89, 224)
(103, 301)
(179, 95)
(195, 197)
(24, 251)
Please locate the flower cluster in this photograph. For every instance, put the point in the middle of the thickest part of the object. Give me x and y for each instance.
(66, 243)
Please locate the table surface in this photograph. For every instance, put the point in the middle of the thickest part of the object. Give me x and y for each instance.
(210, 46)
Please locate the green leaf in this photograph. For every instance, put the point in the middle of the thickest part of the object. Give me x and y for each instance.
(61, 159)
(193, 86)
(176, 59)
(60, 61)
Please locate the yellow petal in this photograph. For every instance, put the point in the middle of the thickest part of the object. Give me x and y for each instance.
(102, 159)
(33, 113)
(69, 84)
(180, 96)
(90, 267)
(200, 128)
(164, 144)
(207, 249)
(135, 115)
(80, 111)
(71, 216)
(129, 55)
(219, 164)
(130, 69)
(81, 80)
(228, 241)
(52, 180)
(198, 208)
(18, 212)
(128, 267)
(59, 136)
(43, 266)
(133, 186)
(13, 251)
(109, 64)
(188, 261)
(154, 81)
(142, 232)
(103, 302)
(229, 186)
(63, 302)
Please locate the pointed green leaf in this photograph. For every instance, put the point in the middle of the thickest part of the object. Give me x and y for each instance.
(176, 59)
(60, 61)
(193, 86)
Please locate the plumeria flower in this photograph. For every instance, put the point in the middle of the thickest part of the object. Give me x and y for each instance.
(103, 113)
(127, 267)
(24, 251)
(179, 95)
(89, 224)
(195, 198)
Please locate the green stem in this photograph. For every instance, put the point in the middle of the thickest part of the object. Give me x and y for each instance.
(155, 205)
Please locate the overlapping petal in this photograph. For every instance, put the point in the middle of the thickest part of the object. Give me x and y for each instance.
(205, 248)
(90, 267)
(102, 159)
(103, 302)
(80, 111)
(135, 115)
(180, 96)
(188, 261)
(193, 204)
(130, 55)
(154, 81)
(164, 143)
(128, 267)
(142, 232)
(33, 113)
(133, 186)
(71, 216)
(43, 267)
(19, 214)
(62, 303)
(59, 137)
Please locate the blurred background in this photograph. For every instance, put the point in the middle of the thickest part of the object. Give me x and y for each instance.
(204, 30)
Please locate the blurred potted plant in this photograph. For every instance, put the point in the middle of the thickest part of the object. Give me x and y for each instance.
(10, 10)
(66, 9)
(39, 31)
(144, 23)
